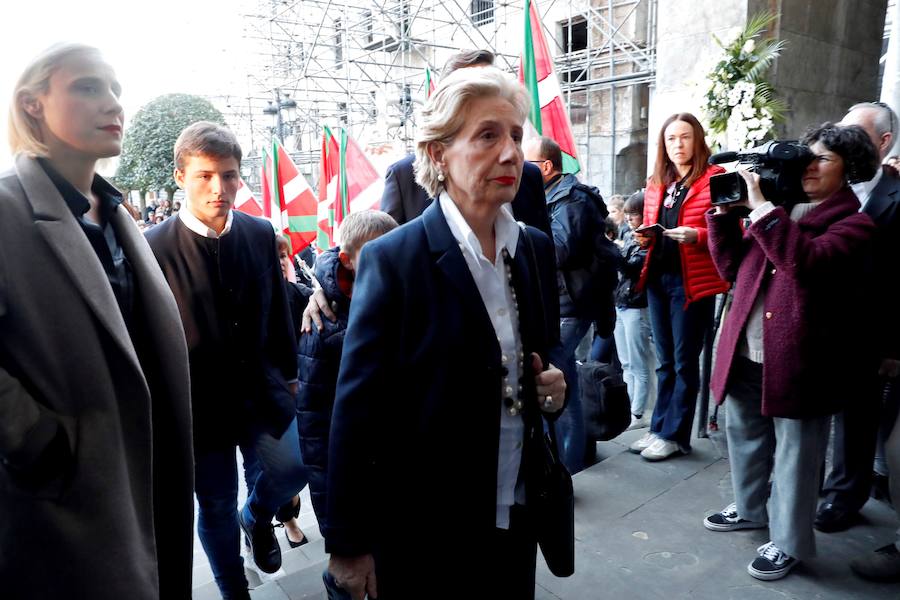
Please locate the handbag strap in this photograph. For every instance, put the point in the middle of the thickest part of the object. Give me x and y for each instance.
(545, 330)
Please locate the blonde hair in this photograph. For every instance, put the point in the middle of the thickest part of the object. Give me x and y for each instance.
(25, 130)
(445, 113)
(362, 227)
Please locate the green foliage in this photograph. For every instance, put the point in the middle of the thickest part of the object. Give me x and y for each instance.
(147, 161)
(739, 100)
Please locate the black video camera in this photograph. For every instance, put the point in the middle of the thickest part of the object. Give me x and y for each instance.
(780, 166)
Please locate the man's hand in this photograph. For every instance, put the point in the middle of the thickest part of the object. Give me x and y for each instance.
(293, 388)
(889, 368)
(551, 385)
(356, 574)
(315, 308)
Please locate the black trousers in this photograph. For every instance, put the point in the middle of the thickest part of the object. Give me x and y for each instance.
(849, 482)
(494, 564)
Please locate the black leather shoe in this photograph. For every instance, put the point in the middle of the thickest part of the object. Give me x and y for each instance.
(830, 518)
(881, 490)
(261, 536)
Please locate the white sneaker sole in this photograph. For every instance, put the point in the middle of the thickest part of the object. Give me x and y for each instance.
(732, 526)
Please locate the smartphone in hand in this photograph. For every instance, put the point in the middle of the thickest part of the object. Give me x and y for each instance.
(654, 229)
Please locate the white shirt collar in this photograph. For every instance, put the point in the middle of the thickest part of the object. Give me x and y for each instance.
(506, 230)
(198, 227)
(863, 189)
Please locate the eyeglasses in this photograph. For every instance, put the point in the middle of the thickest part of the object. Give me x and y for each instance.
(537, 162)
(890, 113)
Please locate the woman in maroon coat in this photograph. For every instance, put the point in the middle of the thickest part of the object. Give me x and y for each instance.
(788, 353)
(680, 279)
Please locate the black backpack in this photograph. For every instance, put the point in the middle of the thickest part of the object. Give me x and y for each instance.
(604, 400)
(593, 295)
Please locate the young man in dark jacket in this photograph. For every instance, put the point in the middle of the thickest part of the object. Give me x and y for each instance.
(319, 352)
(586, 261)
(222, 268)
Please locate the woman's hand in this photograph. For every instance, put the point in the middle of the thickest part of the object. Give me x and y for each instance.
(682, 235)
(551, 385)
(755, 198)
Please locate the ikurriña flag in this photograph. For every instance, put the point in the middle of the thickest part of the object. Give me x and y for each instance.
(288, 201)
(245, 202)
(347, 183)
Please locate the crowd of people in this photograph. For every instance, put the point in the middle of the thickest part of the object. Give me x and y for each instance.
(484, 271)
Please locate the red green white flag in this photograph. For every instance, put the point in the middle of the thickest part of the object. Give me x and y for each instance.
(347, 183)
(548, 115)
(429, 82)
(245, 202)
(288, 201)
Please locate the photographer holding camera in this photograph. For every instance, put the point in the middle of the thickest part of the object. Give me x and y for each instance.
(788, 356)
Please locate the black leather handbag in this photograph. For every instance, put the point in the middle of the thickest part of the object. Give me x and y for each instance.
(551, 498)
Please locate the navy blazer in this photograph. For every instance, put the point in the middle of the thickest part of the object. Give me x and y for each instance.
(415, 429)
(884, 208)
(404, 199)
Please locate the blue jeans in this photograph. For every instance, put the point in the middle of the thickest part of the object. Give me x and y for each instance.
(602, 349)
(570, 426)
(633, 345)
(678, 333)
(274, 473)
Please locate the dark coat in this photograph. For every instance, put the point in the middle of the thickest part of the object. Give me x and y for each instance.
(811, 274)
(318, 359)
(412, 466)
(404, 199)
(96, 480)
(238, 325)
(633, 256)
(587, 261)
(884, 208)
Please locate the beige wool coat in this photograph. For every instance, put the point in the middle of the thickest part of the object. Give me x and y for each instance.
(111, 515)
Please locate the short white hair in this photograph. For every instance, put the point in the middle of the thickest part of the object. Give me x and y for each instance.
(444, 113)
(24, 130)
(885, 119)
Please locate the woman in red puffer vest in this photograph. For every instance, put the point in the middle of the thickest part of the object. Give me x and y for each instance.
(680, 279)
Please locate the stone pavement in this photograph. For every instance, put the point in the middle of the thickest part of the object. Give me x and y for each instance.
(639, 536)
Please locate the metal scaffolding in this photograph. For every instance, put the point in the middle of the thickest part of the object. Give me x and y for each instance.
(361, 64)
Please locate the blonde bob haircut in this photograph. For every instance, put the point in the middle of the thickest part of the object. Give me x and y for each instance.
(446, 111)
(24, 130)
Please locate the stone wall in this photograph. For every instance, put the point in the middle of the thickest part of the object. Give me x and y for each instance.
(830, 62)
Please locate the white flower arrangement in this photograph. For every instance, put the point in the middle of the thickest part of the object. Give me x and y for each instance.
(740, 105)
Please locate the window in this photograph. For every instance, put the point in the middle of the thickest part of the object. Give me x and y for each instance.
(574, 35)
(366, 27)
(482, 11)
(338, 43)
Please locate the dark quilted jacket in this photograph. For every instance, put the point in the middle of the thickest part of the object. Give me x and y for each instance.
(319, 359)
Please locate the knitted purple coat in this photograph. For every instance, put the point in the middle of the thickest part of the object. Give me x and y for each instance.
(812, 275)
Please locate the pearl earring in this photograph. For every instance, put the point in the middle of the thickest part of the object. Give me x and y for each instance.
(440, 176)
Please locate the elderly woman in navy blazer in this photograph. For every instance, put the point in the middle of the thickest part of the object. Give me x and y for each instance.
(788, 354)
(444, 378)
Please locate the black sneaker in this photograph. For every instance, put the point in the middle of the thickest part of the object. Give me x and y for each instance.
(772, 563)
(728, 520)
(262, 541)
